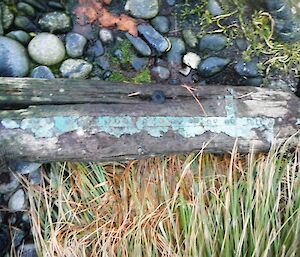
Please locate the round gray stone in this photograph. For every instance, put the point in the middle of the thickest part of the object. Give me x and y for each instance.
(75, 69)
(46, 49)
(14, 60)
(160, 73)
(106, 36)
(145, 9)
(212, 65)
(75, 44)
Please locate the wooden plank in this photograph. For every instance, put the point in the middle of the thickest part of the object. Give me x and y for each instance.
(130, 127)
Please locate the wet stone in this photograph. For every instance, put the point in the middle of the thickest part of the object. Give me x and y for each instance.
(13, 58)
(189, 38)
(37, 4)
(75, 44)
(139, 44)
(75, 69)
(213, 43)
(17, 200)
(26, 9)
(214, 8)
(161, 24)
(145, 9)
(19, 35)
(95, 50)
(17, 236)
(24, 23)
(139, 63)
(55, 22)
(42, 72)
(46, 49)
(174, 56)
(247, 69)
(155, 39)
(103, 62)
(160, 73)
(212, 65)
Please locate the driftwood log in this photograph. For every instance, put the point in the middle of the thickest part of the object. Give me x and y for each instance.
(58, 120)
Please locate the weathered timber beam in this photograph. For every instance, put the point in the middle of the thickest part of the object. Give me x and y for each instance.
(121, 130)
(20, 91)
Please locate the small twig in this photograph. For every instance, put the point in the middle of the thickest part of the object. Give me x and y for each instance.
(134, 94)
(191, 89)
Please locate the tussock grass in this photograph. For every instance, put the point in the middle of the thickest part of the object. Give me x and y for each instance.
(193, 205)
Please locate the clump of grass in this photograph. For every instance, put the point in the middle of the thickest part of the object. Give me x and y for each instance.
(193, 205)
(142, 77)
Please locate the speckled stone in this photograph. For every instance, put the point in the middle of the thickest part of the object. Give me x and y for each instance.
(215, 42)
(55, 22)
(75, 69)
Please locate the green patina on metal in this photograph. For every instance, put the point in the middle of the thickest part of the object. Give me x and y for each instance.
(155, 126)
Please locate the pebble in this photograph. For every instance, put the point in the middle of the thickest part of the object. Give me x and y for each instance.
(161, 24)
(139, 44)
(75, 69)
(185, 71)
(17, 236)
(106, 74)
(254, 82)
(8, 183)
(46, 49)
(35, 177)
(75, 44)
(154, 38)
(24, 23)
(102, 62)
(189, 38)
(27, 250)
(145, 9)
(174, 56)
(214, 8)
(241, 43)
(7, 16)
(95, 50)
(106, 36)
(212, 65)
(26, 9)
(42, 72)
(19, 35)
(139, 63)
(39, 5)
(247, 69)
(55, 22)
(14, 60)
(192, 60)
(160, 73)
(17, 200)
(22, 167)
(216, 42)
